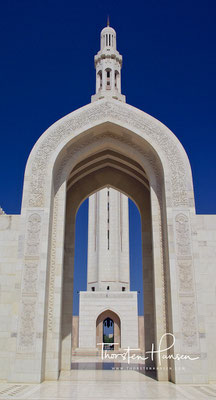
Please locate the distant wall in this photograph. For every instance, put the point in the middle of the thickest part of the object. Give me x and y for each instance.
(75, 332)
(204, 242)
(9, 290)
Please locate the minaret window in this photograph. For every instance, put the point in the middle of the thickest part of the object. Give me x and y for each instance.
(99, 80)
(108, 288)
(108, 72)
(93, 289)
(117, 80)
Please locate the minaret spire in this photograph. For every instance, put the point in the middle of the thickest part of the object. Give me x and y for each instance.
(108, 64)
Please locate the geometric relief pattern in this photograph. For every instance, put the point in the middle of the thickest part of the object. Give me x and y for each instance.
(189, 330)
(182, 235)
(186, 283)
(27, 322)
(185, 276)
(121, 113)
(30, 278)
(33, 234)
(52, 266)
(29, 290)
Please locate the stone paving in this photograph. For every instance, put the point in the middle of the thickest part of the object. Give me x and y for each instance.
(94, 380)
(106, 388)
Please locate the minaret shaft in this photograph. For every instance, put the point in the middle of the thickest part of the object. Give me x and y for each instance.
(108, 241)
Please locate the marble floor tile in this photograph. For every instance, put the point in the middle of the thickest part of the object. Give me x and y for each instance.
(108, 390)
(96, 381)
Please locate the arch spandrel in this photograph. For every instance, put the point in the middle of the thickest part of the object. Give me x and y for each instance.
(133, 126)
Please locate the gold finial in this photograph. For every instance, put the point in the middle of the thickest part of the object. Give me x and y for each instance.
(108, 21)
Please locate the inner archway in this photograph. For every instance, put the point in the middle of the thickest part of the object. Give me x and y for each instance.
(108, 319)
(109, 169)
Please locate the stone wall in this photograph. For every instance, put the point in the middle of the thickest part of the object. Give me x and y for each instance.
(204, 241)
(9, 290)
(92, 304)
(75, 332)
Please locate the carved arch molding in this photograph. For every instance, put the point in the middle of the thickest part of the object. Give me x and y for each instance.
(157, 134)
(120, 114)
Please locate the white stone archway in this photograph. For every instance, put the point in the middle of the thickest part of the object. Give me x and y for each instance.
(116, 327)
(83, 133)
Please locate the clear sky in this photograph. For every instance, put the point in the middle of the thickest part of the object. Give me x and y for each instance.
(47, 71)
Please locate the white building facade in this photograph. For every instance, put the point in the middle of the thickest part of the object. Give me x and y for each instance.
(107, 144)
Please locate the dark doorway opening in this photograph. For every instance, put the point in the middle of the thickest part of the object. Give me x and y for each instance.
(108, 334)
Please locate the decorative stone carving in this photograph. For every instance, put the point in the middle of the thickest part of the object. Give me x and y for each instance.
(30, 278)
(189, 329)
(27, 328)
(164, 263)
(33, 235)
(29, 289)
(186, 283)
(122, 114)
(182, 235)
(52, 266)
(185, 276)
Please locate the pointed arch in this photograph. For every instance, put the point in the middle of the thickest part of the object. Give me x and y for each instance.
(108, 313)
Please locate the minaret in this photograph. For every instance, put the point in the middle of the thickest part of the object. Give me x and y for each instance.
(108, 292)
(108, 242)
(108, 64)
(108, 230)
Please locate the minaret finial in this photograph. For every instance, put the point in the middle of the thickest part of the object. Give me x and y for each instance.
(108, 21)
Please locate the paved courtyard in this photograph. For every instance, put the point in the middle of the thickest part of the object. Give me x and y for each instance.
(107, 387)
(92, 379)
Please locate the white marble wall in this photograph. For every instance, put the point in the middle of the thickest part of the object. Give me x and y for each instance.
(9, 290)
(124, 304)
(204, 242)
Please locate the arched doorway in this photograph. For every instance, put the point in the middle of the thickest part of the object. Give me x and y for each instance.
(105, 143)
(108, 168)
(108, 319)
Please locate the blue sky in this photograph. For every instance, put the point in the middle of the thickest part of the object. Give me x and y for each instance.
(47, 71)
